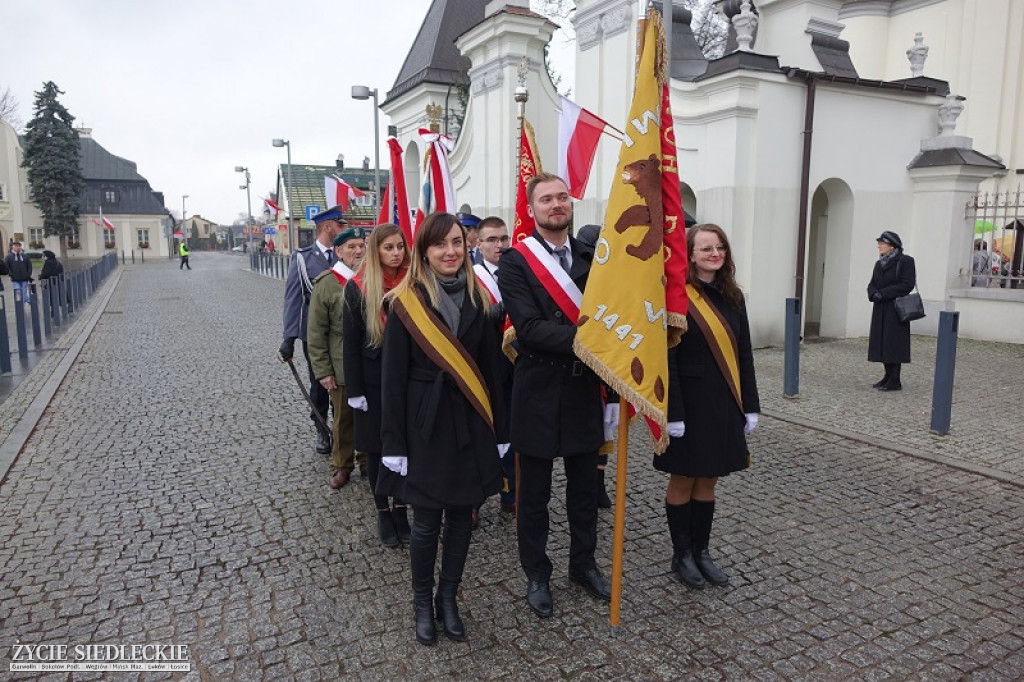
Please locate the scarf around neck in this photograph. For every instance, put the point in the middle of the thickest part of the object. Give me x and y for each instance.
(886, 258)
(454, 294)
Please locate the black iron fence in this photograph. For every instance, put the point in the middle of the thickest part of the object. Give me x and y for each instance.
(997, 253)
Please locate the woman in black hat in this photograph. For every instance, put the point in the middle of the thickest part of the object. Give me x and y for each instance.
(889, 341)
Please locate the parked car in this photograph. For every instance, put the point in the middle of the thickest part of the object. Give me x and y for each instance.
(237, 248)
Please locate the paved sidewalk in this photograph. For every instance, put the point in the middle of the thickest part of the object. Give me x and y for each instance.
(170, 494)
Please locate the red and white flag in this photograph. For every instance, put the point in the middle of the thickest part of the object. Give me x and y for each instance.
(394, 208)
(579, 131)
(106, 223)
(338, 192)
(271, 207)
(438, 192)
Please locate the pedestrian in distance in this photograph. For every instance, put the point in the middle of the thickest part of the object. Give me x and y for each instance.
(713, 403)
(183, 255)
(19, 268)
(894, 275)
(444, 417)
(364, 317)
(325, 343)
(304, 266)
(557, 409)
(52, 267)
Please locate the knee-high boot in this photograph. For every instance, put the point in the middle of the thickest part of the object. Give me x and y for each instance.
(683, 565)
(885, 377)
(703, 515)
(422, 556)
(893, 384)
(457, 533)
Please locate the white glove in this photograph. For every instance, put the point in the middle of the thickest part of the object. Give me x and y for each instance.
(611, 420)
(397, 463)
(359, 403)
(751, 423)
(503, 449)
(676, 429)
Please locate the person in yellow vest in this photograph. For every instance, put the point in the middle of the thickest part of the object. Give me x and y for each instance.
(325, 344)
(443, 414)
(712, 403)
(183, 255)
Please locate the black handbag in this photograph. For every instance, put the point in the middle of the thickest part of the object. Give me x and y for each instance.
(909, 307)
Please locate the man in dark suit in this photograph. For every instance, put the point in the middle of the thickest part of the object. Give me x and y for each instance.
(556, 401)
(306, 264)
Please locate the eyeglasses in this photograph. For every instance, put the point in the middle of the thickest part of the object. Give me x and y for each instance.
(721, 248)
(497, 240)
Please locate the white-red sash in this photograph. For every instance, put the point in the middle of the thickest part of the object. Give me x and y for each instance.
(342, 272)
(556, 281)
(487, 279)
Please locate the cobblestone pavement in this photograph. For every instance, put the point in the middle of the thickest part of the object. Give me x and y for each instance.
(170, 494)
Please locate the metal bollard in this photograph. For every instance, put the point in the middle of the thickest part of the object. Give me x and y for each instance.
(791, 366)
(133, 256)
(54, 306)
(33, 305)
(19, 324)
(5, 343)
(44, 297)
(142, 255)
(945, 367)
(62, 296)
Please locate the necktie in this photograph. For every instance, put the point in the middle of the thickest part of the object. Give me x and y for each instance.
(329, 256)
(563, 257)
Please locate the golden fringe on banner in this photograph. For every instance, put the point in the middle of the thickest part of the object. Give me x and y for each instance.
(532, 141)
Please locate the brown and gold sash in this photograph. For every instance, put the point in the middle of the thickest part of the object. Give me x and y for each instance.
(444, 349)
(720, 338)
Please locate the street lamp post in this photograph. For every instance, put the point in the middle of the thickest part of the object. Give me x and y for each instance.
(363, 92)
(278, 142)
(183, 197)
(248, 202)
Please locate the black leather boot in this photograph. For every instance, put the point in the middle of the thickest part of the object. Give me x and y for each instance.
(457, 534)
(399, 514)
(386, 529)
(885, 377)
(323, 440)
(603, 501)
(422, 557)
(683, 564)
(703, 513)
(893, 384)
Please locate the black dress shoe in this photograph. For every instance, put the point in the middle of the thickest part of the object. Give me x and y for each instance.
(323, 443)
(538, 596)
(890, 387)
(880, 382)
(594, 583)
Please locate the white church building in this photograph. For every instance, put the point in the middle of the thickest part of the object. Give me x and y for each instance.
(825, 123)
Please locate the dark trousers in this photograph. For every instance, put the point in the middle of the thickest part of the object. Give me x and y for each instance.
(319, 395)
(426, 528)
(581, 510)
(184, 263)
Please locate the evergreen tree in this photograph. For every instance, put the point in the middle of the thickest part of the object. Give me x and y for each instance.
(52, 156)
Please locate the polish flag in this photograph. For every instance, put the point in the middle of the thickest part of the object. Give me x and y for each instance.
(106, 223)
(338, 192)
(438, 191)
(271, 207)
(578, 134)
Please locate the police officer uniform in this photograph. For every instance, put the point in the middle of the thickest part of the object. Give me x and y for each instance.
(305, 265)
(471, 222)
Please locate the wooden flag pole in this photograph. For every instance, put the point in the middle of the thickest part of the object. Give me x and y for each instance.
(620, 511)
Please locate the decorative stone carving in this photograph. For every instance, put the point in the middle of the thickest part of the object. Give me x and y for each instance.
(588, 34)
(917, 54)
(616, 21)
(602, 20)
(488, 78)
(745, 22)
(949, 112)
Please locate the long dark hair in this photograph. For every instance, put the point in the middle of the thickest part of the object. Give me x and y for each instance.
(725, 278)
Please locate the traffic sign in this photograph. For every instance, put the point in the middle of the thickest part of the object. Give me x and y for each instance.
(312, 210)
(269, 230)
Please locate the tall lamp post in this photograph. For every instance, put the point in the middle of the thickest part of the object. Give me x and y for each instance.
(248, 202)
(183, 197)
(278, 142)
(363, 92)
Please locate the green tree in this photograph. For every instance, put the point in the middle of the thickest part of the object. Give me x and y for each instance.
(52, 157)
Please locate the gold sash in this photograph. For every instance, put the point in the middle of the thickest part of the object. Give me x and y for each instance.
(720, 338)
(444, 349)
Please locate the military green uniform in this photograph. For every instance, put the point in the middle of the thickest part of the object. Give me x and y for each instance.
(324, 343)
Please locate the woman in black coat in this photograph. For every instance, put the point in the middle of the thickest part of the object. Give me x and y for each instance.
(442, 402)
(712, 404)
(889, 341)
(363, 319)
(51, 266)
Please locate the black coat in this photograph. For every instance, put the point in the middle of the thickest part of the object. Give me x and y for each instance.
(889, 340)
(362, 371)
(556, 399)
(19, 270)
(452, 452)
(713, 443)
(51, 268)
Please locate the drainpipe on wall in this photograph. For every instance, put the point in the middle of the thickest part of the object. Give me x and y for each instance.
(805, 181)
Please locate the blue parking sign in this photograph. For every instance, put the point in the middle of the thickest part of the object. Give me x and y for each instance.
(312, 210)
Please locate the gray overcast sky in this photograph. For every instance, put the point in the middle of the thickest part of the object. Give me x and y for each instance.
(189, 89)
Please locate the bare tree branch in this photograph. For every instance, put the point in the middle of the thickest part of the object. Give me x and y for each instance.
(9, 108)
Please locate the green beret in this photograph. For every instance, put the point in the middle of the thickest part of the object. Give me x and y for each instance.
(350, 233)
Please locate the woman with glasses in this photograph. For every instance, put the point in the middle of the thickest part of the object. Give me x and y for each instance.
(712, 403)
(445, 417)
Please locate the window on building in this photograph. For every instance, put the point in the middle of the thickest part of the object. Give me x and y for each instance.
(108, 236)
(75, 236)
(109, 196)
(3, 192)
(365, 200)
(143, 237)
(35, 236)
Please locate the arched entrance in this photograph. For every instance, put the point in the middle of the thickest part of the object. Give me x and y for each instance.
(827, 278)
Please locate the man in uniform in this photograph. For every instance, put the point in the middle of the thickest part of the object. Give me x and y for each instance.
(306, 264)
(472, 224)
(556, 400)
(324, 341)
